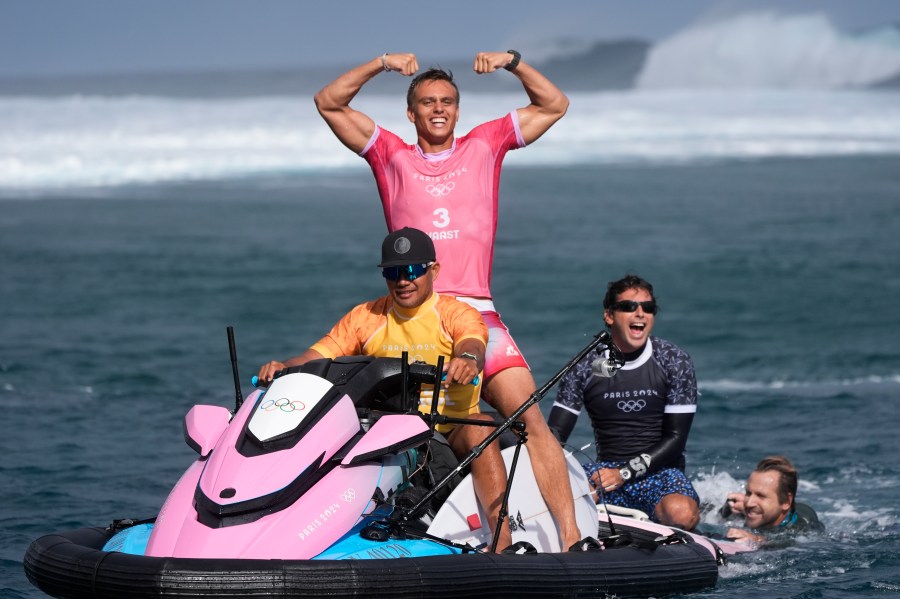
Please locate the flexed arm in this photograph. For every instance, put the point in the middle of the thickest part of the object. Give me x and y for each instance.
(351, 127)
(548, 103)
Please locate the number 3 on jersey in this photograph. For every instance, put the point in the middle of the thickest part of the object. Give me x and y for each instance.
(443, 218)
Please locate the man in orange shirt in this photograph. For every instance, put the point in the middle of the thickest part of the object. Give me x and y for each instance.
(412, 317)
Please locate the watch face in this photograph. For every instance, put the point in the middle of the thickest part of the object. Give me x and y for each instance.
(625, 473)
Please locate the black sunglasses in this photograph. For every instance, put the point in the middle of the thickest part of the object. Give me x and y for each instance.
(649, 307)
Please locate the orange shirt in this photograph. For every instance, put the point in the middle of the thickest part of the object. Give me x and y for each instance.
(380, 328)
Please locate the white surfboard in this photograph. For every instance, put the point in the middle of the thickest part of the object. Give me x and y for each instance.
(461, 518)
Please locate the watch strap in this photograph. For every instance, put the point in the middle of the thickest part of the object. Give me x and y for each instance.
(514, 62)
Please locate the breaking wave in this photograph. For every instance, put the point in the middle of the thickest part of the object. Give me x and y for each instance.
(768, 50)
(58, 143)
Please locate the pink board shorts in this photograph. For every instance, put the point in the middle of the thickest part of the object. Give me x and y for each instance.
(502, 351)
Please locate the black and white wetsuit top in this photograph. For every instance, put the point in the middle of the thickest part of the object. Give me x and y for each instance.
(646, 408)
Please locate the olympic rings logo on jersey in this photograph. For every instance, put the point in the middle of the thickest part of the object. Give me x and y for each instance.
(441, 189)
(632, 405)
(283, 404)
(349, 495)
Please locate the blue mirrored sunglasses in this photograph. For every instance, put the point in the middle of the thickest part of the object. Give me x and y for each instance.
(410, 272)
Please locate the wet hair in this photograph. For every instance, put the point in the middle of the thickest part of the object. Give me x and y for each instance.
(624, 284)
(787, 481)
(432, 74)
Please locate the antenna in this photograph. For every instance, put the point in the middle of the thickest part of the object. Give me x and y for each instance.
(232, 349)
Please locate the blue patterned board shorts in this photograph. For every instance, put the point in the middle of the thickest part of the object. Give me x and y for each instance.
(645, 493)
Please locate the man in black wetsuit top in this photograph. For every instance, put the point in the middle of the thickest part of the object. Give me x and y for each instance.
(768, 503)
(641, 416)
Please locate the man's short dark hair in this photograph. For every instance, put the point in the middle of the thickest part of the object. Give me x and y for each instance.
(787, 481)
(615, 288)
(432, 74)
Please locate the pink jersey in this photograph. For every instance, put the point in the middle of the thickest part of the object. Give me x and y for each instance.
(452, 196)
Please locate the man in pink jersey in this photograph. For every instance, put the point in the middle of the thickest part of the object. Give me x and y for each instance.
(448, 186)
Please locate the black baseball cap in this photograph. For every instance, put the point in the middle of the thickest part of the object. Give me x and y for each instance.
(406, 246)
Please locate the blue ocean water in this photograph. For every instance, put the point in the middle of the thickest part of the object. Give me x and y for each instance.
(778, 275)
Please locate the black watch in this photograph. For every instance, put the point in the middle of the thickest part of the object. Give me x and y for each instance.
(514, 62)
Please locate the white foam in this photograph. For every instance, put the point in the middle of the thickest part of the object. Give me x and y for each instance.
(733, 385)
(712, 488)
(769, 50)
(844, 516)
(58, 143)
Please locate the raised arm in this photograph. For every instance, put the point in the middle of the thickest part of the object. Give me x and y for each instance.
(548, 103)
(351, 127)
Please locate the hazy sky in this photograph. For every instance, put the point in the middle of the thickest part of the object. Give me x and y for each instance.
(42, 37)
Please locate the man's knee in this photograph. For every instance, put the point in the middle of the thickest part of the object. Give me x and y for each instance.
(678, 510)
(464, 437)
